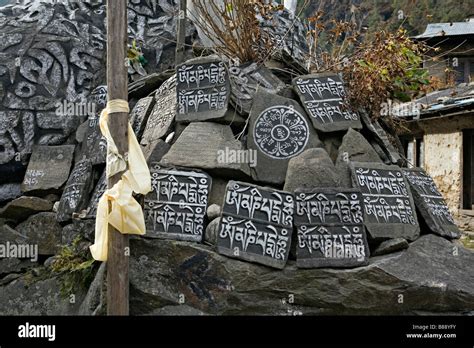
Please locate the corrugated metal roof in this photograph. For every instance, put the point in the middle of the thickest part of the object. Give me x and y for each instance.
(447, 29)
(445, 101)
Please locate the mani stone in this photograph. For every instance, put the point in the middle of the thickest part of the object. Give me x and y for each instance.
(431, 204)
(309, 170)
(42, 230)
(203, 89)
(204, 145)
(98, 192)
(279, 130)
(381, 139)
(75, 195)
(48, 169)
(330, 229)
(323, 97)
(246, 80)
(354, 148)
(176, 206)
(94, 145)
(160, 121)
(22, 208)
(389, 210)
(390, 246)
(256, 224)
(139, 115)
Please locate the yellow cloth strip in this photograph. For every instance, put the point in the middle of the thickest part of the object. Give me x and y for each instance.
(126, 215)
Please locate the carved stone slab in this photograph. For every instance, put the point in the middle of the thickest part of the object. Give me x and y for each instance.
(48, 168)
(203, 89)
(76, 194)
(245, 81)
(431, 204)
(163, 113)
(94, 146)
(330, 227)
(176, 207)
(279, 130)
(96, 195)
(323, 97)
(139, 115)
(389, 210)
(256, 224)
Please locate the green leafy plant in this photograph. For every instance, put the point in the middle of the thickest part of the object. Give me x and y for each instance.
(75, 266)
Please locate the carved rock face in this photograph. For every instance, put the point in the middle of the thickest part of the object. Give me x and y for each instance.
(52, 56)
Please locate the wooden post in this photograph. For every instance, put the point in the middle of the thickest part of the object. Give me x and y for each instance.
(117, 88)
(181, 41)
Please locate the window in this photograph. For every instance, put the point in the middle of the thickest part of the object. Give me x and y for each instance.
(415, 152)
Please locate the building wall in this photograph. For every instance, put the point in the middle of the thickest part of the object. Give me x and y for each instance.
(443, 161)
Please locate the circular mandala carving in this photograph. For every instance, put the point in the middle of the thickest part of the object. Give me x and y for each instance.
(281, 132)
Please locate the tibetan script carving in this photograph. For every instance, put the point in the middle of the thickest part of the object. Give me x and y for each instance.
(281, 132)
(163, 114)
(330, 227)
(76, 193)
(203, 90)
(176, 207)
(323, 99)
(430, 203)
(256, 224)
(389, 211)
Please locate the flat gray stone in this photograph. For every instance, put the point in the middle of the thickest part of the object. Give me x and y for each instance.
(310, 170)
(200, 145)
(139, 115)
(324, 98)
(389, 209)
(431, 204)
(354, 148)
(390, 246)
(246, 80)
(76, 193)
(162, 116)
(97, 194)
(218, 189)
(22, 208)
(94, 144)
(278, 131)
(9, 192)
(48, 168)
(155, 151)
(330, 229)
(43, 230)
(431, 277)
(256, 224)
(382, 139)
(203, 89)
(176, 206)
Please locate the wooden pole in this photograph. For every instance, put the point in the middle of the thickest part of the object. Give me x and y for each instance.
(181, 41)
(117, 88)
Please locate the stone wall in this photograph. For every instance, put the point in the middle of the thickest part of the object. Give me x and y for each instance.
(443, 157)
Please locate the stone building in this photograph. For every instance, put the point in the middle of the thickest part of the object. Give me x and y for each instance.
(439, 137)
(439, 134)
(456, 49)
